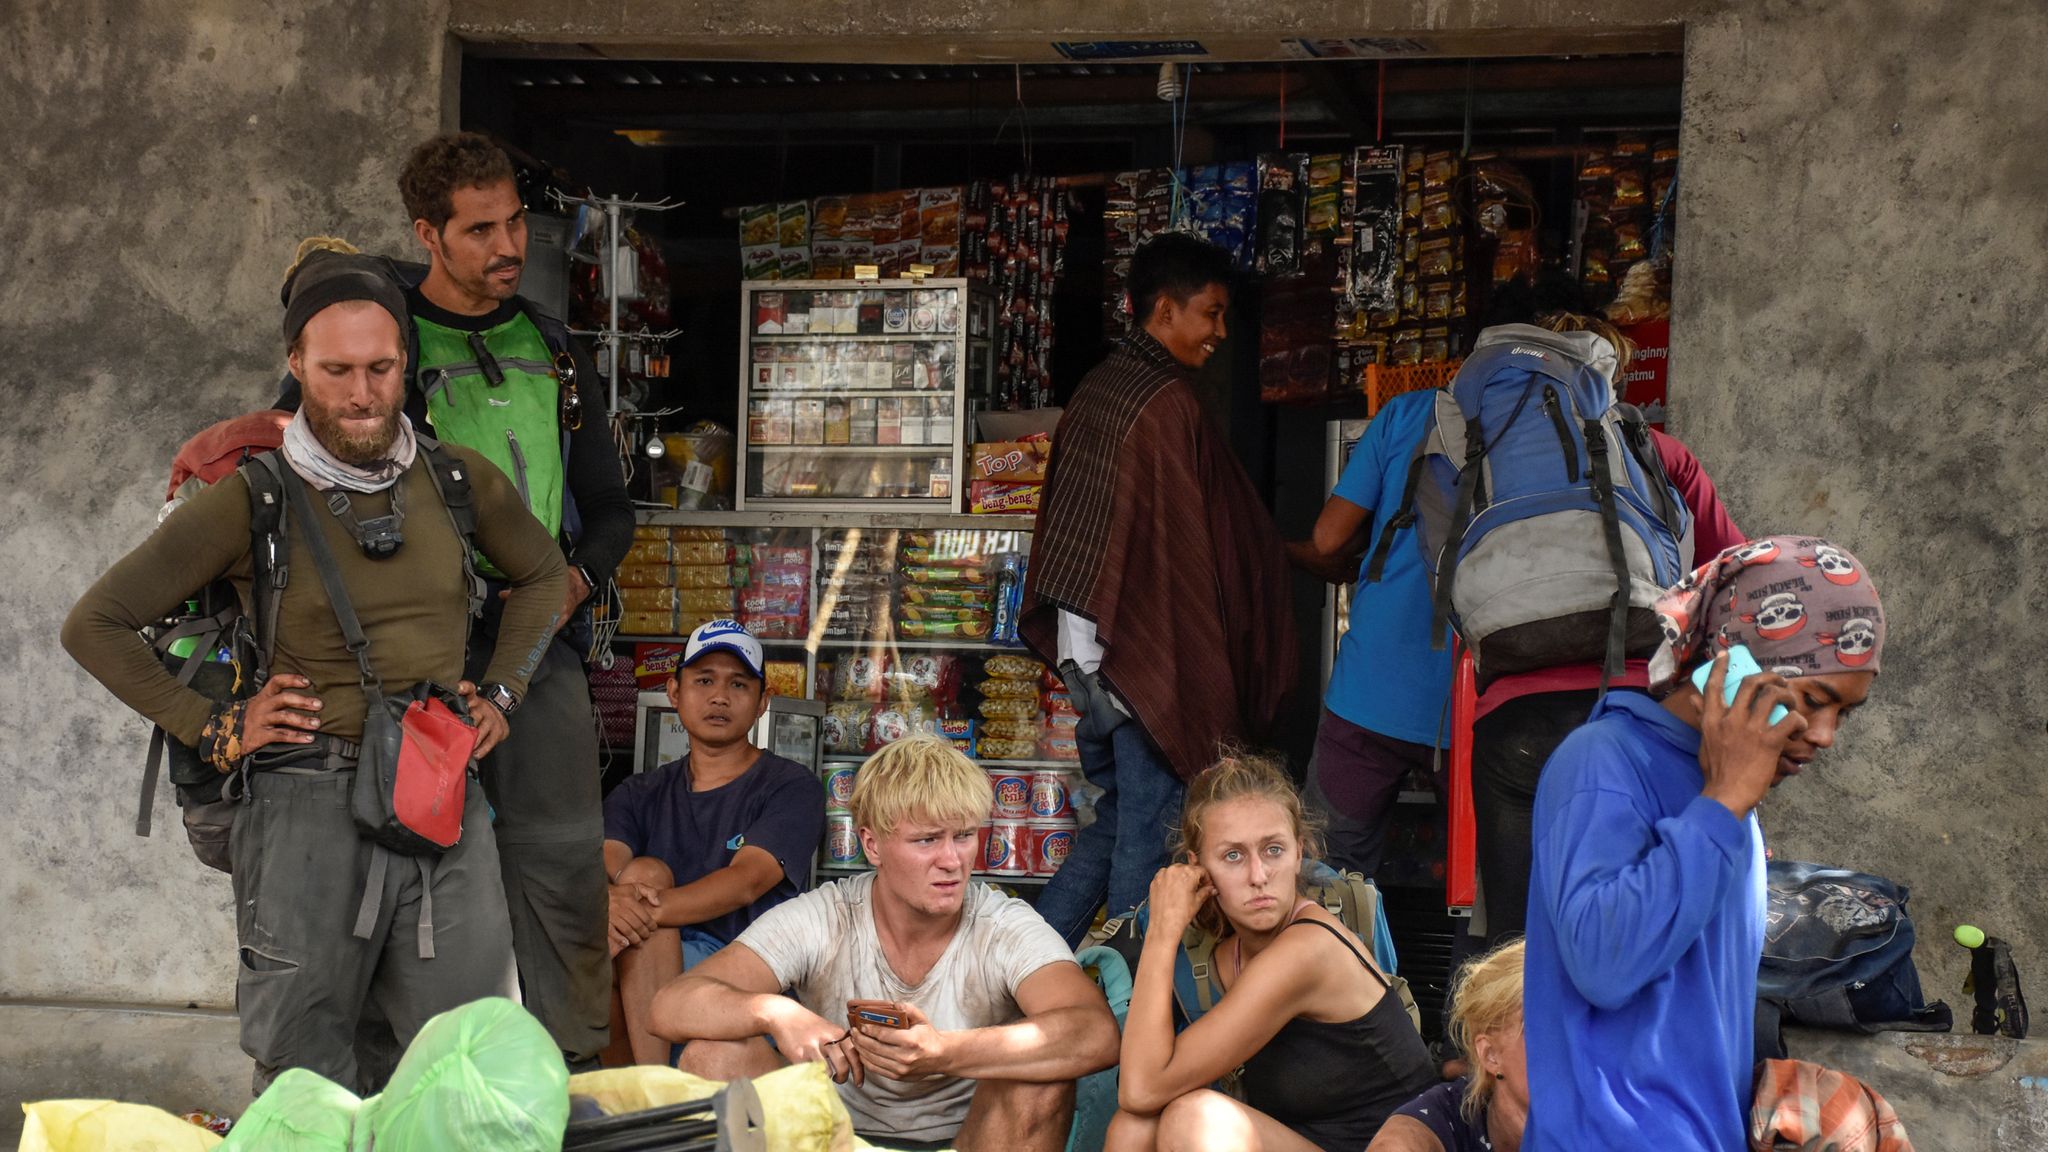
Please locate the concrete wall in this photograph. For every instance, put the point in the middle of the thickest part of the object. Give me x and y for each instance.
(1859, 352)
(162, 161)
(1861, 254)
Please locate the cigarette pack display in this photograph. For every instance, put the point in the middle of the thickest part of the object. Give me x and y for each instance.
(810, 422)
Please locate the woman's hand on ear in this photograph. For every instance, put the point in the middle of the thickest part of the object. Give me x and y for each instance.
(1178, 892)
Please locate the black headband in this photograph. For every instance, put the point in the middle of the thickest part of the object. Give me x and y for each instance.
(324, 279)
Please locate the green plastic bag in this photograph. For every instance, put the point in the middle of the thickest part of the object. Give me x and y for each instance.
(485, 1077)
(301, 1111)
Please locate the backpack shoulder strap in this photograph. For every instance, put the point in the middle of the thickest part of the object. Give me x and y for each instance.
(1196, 989)
(267, 552)
(451, 483)
(552, 331)
(1610, 525)
(1403, 517)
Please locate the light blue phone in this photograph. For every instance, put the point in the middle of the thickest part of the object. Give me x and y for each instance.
(1740, 665)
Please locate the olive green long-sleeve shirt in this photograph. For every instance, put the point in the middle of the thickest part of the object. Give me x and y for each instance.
(412, 604)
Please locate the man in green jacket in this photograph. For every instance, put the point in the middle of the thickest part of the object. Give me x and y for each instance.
(497, 375)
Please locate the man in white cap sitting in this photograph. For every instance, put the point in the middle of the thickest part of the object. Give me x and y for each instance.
(698, 848)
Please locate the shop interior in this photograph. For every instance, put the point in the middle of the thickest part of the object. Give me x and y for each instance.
(1383, 207)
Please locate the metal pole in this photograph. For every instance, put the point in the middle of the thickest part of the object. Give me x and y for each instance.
(611, 279)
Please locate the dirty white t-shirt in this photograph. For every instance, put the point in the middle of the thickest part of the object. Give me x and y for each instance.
(822, 945)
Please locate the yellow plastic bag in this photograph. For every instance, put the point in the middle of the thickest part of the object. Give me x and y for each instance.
(108, 1126)
(802, 1109)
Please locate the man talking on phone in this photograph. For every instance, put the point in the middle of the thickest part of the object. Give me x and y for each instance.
(1646, 896)
(951, 1016)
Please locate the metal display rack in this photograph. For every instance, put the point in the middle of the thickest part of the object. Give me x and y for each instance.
(860, 394)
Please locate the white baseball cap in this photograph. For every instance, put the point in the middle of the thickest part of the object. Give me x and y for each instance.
(725, 636)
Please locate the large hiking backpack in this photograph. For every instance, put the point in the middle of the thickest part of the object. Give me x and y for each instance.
(1348, 896)
(1547, 520)
(1838, 953)
(222, 648)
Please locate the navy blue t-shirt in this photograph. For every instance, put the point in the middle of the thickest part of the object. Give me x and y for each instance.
(776, 805)
(1439, 1110)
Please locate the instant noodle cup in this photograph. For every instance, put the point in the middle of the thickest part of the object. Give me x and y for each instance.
(1051, 795)
(842, 843)
(839, 786)
(1005, 852)
(1012, 794)
(1047, 844)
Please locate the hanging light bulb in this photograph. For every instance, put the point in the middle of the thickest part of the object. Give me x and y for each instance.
(1170, 86)
(655, 448)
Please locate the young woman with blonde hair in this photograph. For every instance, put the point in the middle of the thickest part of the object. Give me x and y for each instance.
(1321, 1051)
(1485, 1111)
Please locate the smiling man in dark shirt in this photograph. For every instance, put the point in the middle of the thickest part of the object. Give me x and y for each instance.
(698, 848)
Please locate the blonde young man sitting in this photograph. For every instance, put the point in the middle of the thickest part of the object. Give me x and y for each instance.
(1000, 1020)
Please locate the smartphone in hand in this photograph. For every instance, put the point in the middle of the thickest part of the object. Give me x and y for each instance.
(1741, 664)
(881, 1013)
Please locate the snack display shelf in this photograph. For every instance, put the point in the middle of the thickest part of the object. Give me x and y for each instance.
(1055, 765)
(849, 337)
(835, 871)
(873, 521)
(912, 642)
(848, 449)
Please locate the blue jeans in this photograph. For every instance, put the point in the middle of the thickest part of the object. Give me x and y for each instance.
(1118, 854)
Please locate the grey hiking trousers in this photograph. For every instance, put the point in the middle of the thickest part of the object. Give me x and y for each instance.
(544, 783)
(304, 976)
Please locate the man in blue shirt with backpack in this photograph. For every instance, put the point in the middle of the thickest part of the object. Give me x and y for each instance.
(1384, 714)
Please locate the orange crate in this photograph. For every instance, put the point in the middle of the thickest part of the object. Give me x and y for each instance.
(1383, 382)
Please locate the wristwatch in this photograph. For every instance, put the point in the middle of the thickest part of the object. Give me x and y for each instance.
(502, 698)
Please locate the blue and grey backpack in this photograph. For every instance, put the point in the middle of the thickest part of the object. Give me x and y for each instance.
(1547, 520)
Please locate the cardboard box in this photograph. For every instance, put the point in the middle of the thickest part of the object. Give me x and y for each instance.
(994, 496)
(1011, 461)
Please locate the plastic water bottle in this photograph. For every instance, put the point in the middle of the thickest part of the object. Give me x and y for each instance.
(1994, 981)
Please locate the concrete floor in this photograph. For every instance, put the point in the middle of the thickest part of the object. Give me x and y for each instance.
(1952, 1092)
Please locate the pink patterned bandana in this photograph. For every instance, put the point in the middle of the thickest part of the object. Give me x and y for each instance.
(1803, 606)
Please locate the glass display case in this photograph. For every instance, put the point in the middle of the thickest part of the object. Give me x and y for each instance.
(859, 393)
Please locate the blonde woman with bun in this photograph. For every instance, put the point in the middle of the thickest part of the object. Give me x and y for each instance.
(1485, 1111)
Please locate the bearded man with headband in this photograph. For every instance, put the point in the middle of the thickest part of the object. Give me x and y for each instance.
(1646, 899)
(324, 923)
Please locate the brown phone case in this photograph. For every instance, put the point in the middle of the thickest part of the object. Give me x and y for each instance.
(881, 1013)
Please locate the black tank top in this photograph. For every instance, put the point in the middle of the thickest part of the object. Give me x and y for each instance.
(1335, 1084)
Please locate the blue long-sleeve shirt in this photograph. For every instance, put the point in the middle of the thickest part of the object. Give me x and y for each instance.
(1646, 906)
